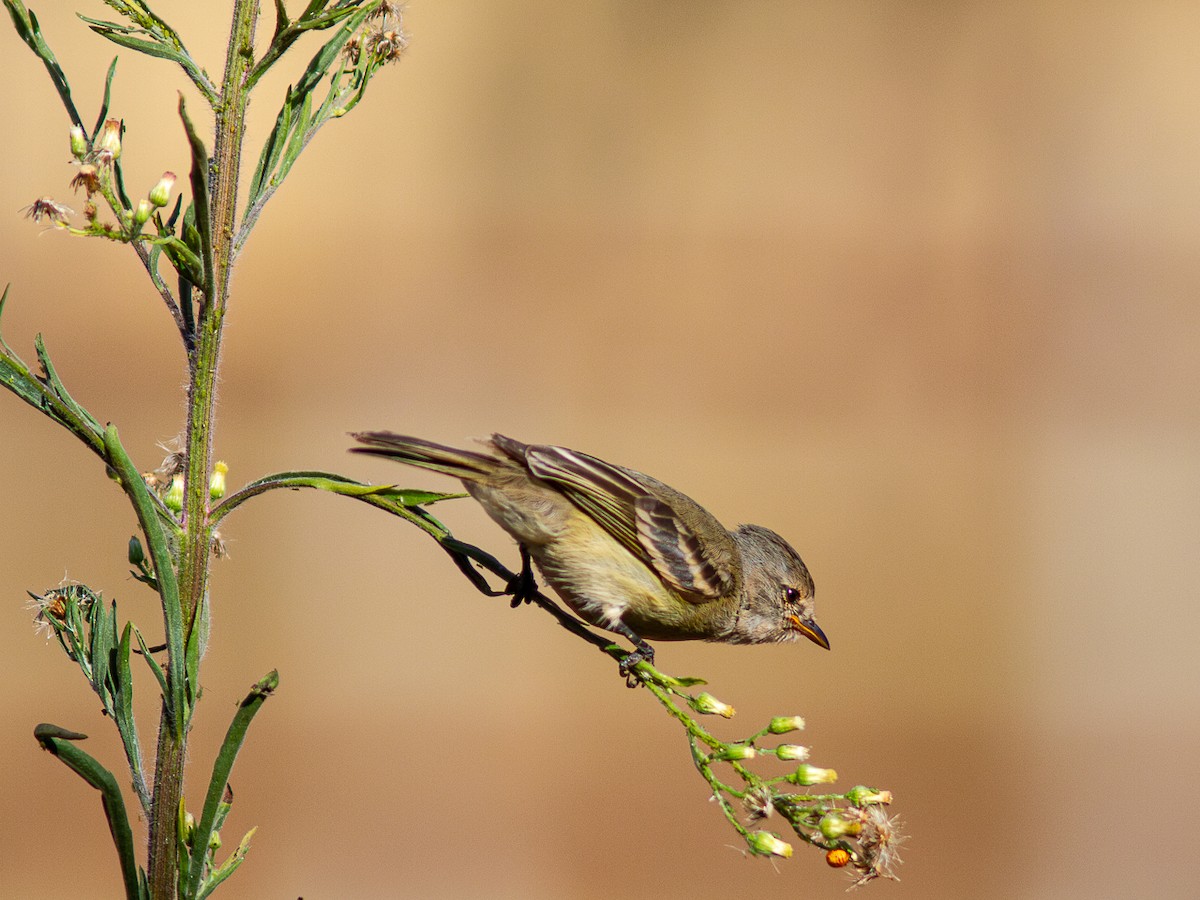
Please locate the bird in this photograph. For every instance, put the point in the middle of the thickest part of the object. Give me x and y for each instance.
(626, 552)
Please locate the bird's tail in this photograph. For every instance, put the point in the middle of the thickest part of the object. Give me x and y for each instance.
(464, 464)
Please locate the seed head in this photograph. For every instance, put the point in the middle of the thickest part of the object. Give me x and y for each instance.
(48, 208)
(88, 178)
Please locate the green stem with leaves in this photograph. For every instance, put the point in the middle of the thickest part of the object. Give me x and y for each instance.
(195, 552)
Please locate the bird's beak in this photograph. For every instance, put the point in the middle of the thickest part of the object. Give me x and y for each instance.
(810, 630)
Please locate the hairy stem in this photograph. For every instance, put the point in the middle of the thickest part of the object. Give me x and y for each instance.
(194, 554)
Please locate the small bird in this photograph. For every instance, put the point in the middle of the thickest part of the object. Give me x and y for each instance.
(626, 552)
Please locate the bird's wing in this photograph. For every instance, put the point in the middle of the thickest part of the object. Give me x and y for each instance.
(647, 517)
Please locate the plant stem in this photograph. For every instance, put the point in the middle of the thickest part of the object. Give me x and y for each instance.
(194, 551)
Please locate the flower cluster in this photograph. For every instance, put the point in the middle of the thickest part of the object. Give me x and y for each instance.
(382, 38)
(854, 828)
(97, 176)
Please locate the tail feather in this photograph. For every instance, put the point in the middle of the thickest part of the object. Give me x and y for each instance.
(424, 454)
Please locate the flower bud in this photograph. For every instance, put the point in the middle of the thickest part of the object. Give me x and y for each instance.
(735, 751)
(141, 215)
(708, 705)
(861, 795)
(834, 826)
(189, 828)
(160, 194)
(173, 499)
(214, 842)
(137, 555)
(216, 484)
(792, 751)
(79, 147)
(767, 844)
(806, 775)
(784, 724)
(110, 140)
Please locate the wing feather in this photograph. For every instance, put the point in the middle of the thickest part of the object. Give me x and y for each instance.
(644, 515)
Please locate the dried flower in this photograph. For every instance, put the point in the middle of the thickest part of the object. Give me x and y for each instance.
(879, 840)
(49, 611)
(88, 178)
(386, 46)
(759, 805)
(48, 208)
(173, 463)
(388, 9)
(62, 611)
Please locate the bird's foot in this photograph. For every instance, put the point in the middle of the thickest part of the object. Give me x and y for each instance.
(523, 586)
(643, 654)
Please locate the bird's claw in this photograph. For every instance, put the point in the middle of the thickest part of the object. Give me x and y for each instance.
(628, 665)
(522, 587)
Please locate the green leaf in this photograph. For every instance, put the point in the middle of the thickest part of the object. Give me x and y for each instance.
(155, 38)
(183, 260)
(119, 180)
(150, 48)
(314, 18)
(153, 664)
(199, 183)
(228, 867)
(230, 747)
(47, 395)
(100, 621)
(60, 391)
(293, 125)
(160, 554)
(58, 741)
(100, 119)
(385, 496)
(197, 640)
(281, 20)
(30, 32)
(269, 157)
(121, 689)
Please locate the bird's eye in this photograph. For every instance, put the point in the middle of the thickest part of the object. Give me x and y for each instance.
(791, 595)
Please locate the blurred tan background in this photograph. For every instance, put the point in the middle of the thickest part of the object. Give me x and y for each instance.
(913, 283)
